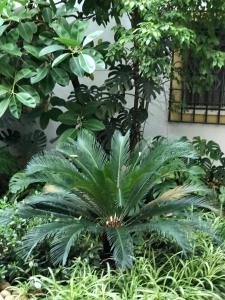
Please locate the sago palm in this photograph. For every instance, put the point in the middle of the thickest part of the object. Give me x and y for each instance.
(105, 195)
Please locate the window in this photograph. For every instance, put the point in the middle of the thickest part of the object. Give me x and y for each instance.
(188, 104)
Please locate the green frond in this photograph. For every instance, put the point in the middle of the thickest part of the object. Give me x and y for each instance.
(154, 158)
(181, 191)
(20, 181)
(53, 167)
(160, 207)
(120, 153)
(61, 234)
(41, 233)
(177, 230)
(6, 216)
(63, 241)
(60, 204)
(86, 153)
(122, 246)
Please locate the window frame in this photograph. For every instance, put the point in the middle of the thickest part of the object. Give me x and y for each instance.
(177, 113)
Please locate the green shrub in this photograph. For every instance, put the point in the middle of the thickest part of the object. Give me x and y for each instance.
(155, 276)
(105, 195)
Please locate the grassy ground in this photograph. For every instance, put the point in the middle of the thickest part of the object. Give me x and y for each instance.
(155, 276)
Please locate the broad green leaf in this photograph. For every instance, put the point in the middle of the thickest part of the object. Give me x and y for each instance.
(60, 76)
(27, 30)
(54, 113)
(47, 85)
(34, 51)
(26, 99)
(93, 125)
(56, 101)
(6, 70)
(15, 107)
(4, 104)
(51, 49)
(23, 73)
(2, 29)
(29, 90)
(67, 41)
(91, 37)
(2, 5)
(75, 67)
(98, 58)
(69, 133)
(87, 63)
(11, 48)
(4, 90)
(60, 59)
(61, 27)
(68, 118)
(47, 14)
(77, 30)
(40, 75)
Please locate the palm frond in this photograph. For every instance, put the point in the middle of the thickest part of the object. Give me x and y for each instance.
(160, 207)
(85, 152)
(63, 241)
(120, 153)
(20, 181)
(53, 167)
(154, 158)
(181, 191)
(122, 246)
(177, 230)
(41, 233)
(58, 204)
(61, 234)
(6, 216)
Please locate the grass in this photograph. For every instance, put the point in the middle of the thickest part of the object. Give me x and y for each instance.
(154, 277)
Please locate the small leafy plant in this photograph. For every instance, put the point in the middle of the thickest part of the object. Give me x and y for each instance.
(105, 195)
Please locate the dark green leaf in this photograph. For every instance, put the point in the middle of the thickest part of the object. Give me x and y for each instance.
(3, 106)
(15, 107)
(69, 133)
(11, 48)
(87, 63)
(51, 49)
(26, 99)
(2, 29)
(60, 76)
(60, 59)
(4, 90)
(93, 125)
(91, 37)
(34, 51)
(75, 67)
(68, 118)
(40, 75)
(47, 14)
(23, 73)
(27, 30)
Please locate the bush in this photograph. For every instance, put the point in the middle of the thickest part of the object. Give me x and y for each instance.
(153, 277)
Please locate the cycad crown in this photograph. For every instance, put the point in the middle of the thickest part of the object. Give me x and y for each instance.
(105, 194)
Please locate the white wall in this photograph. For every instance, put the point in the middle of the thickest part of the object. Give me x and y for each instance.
(157, 124)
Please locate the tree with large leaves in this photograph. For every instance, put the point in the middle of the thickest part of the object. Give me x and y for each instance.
(105, 195)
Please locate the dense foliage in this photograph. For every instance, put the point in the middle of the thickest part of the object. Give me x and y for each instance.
(105, 195)
(50, 45)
